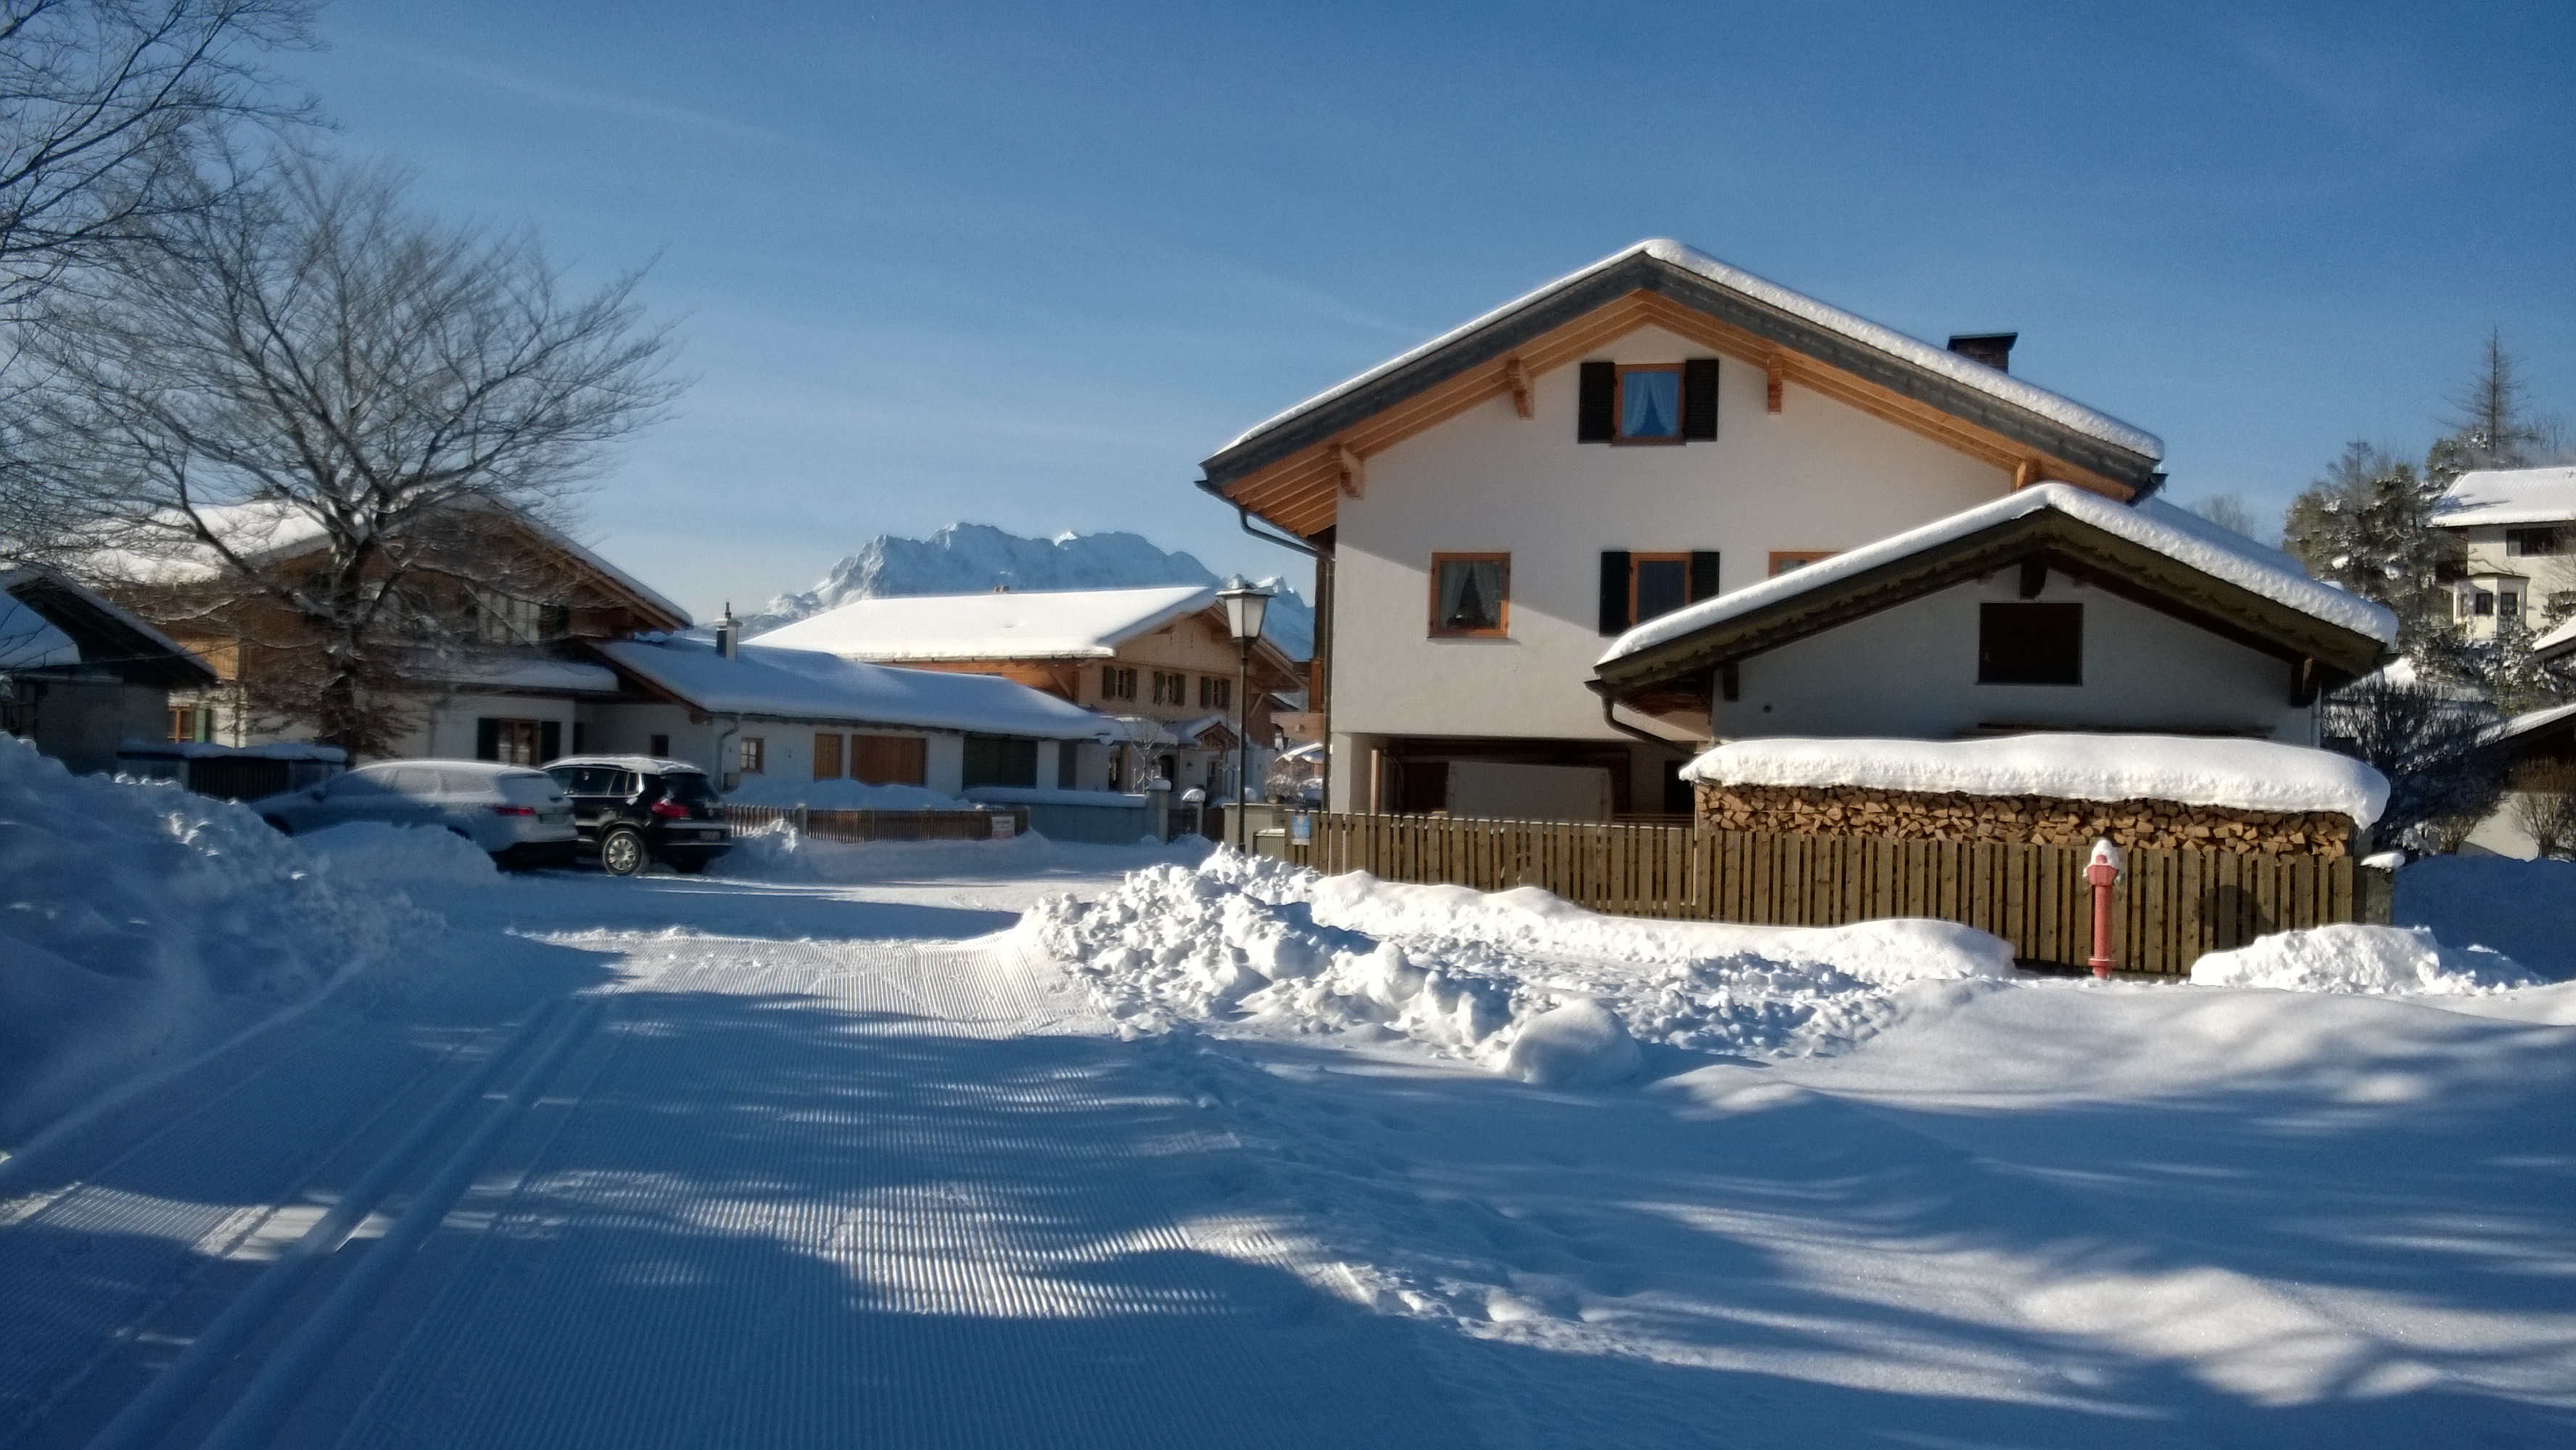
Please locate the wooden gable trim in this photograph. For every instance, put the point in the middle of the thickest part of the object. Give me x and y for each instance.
(2104, 560)
(1300, 493)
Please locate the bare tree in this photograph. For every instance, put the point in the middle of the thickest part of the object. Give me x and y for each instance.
(2428, 742)
(317, 418)
(107, 108)
(2546, 808)
(2231, 511)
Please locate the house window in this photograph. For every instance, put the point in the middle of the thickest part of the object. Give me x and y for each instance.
(1636, 587)
(827, 757)
(1650, 403)
(1784, 560)
(999, 760)
(1215, 693)
(492, 617)
(2509, 604)
(658, 746)
(1068, 764)
(2481, 603)
(517, 742)
(2030, 644)
(889, 760)
(1171, 688)
(755, 755)
(2539, 543)
(1117, 683)
(192, 723)
(1471, 594)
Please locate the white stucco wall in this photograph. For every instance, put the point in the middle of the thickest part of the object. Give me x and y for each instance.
(1817, 476)
(2547, 574)
(1911, 671)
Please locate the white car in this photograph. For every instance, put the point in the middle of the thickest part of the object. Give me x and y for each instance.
(513, 812)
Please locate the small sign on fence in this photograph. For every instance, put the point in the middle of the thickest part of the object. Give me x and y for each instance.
(1301, 829)
(1004, 824)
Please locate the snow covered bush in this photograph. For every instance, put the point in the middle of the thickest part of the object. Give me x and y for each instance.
(1278, 948)
(2360, 959)
(138, 921)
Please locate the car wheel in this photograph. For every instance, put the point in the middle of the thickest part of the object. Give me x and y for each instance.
(690, 866)
(622, 853)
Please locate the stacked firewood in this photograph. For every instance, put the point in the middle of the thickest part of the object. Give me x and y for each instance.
(2042, 820)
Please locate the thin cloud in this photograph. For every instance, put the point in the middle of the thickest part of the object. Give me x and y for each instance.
(582, 98)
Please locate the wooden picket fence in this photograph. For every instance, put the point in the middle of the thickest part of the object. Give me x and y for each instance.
(2170, 907)
(881, 825)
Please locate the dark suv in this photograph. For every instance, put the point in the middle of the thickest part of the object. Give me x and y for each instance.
(634, 810)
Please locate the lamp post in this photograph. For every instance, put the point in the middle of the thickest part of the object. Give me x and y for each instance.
(1245, 608)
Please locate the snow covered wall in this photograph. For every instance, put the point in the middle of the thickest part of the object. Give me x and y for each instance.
(974, 558)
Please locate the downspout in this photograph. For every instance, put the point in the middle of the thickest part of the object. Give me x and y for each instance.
(1323, 628)
(727, 780)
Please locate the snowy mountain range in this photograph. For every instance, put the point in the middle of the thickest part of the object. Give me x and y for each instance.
(975, 558)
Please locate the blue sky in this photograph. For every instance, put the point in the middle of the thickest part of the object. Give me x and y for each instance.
(1028, 265)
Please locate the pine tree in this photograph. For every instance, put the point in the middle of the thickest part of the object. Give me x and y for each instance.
(2491, 422)
(2367, 526)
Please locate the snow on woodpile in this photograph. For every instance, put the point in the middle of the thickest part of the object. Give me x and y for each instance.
(2175, 533)
(2361, 959)
(2250, 775)
(1273, 948)
(140, 923)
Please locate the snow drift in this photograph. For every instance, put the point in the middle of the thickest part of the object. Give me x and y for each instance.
(2363, 959)
(842, 795)
(140, 924)
(1520, 981)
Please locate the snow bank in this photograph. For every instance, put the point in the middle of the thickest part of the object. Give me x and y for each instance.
(842, 795)
(2251, 775)
(140, 924)
(779, 853)
(372, 854)
(2360, 959)
(1277, 948)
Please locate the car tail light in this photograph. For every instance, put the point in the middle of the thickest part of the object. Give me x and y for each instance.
(514, 810)
(670, 810)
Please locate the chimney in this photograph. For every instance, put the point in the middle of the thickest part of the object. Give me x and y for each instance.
(1994, 349)
(729, 634)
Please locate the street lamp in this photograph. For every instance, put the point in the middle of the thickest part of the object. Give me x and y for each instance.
(1245, 607)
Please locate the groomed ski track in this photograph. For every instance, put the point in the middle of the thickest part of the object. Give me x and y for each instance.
(749, 1193)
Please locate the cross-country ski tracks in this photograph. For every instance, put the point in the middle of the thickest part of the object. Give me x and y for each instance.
(826, 1193)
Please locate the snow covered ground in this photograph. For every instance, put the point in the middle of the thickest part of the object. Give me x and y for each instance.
(839, 1147)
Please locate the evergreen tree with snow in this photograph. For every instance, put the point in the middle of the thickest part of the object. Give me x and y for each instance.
(2367, 525)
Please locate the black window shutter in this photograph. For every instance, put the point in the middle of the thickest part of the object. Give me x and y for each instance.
(1699, 398)
(487, 739)
(1703, 580)
(1614, 591)
(1596, 411)
(549, 740)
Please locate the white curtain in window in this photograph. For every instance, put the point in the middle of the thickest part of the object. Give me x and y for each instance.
(1471, 594)
(1650, 405)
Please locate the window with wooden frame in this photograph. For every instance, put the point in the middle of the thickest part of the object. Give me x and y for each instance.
(1117, 683)
(1215, 693)
(827, 756)
(1784, 560)
(1646, 402)
(1637, 586)
(1471, 595)
(517, 742)
(2030, 644)
(754, 754)
(1171, 688)
(889, 760)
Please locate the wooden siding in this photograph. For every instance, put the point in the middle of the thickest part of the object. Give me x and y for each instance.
(2172, 905)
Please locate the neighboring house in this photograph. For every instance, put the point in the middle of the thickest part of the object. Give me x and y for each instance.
(79, 675)
(1159, 656)
(2051, 609)
(801, 715)
(496, 672)
(1654, 430)
(2517, 528)
(2537, 751)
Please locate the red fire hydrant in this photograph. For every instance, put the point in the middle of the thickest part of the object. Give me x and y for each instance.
(2103, 870)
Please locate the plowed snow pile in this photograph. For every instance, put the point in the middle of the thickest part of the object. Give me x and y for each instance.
(140, 923)
(2366, 959)
(1518, 981)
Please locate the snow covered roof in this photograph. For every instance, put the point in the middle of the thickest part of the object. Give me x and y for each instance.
(269, 529)
(2527, 723)
(202, 750)
(2251, 775)
(2176, 534)
(524, 674)
(1763, 306)
(645, 764)
(2556, 642)
(1055, 624)
(95, 630)
(2509, 496)
(798, 684)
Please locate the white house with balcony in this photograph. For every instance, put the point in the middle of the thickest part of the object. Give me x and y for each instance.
(2516, 528)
